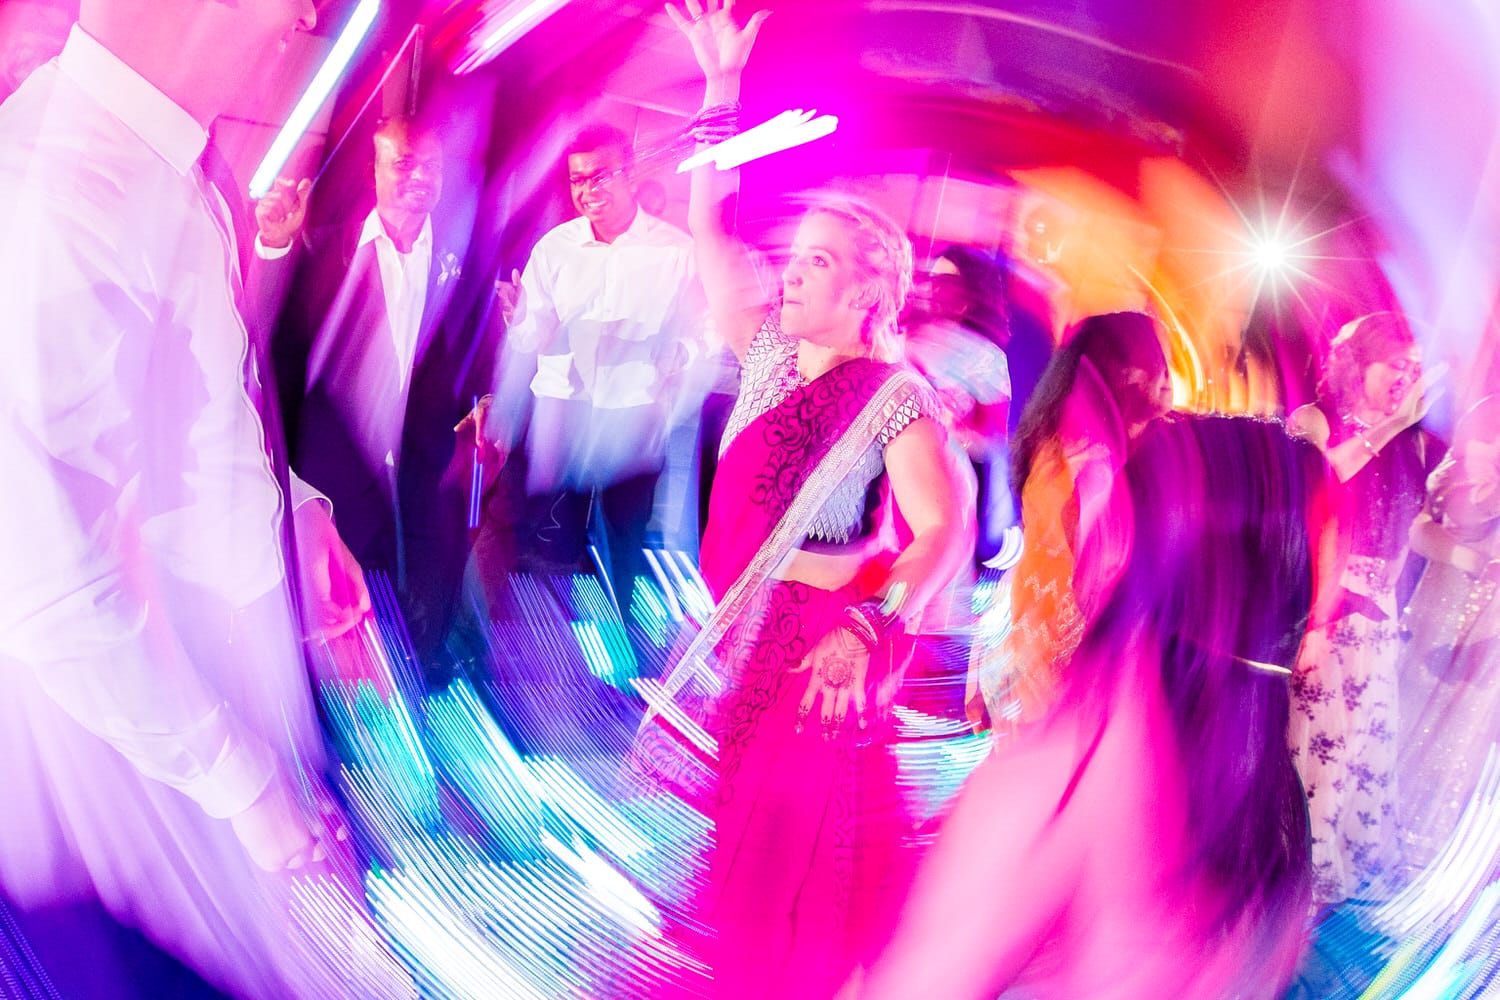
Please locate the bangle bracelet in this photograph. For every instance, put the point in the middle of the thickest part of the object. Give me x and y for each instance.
(864, 628)
(723, 109)
(869, 622)
(715, 123)
(861, 629)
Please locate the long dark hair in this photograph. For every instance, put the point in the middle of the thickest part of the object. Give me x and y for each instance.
(1111, 343)
(1220, 581)
(984, 293)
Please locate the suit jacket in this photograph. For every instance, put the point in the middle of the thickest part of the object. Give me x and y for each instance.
(341, 392)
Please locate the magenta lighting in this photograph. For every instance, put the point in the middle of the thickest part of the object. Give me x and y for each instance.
(502, 26)
(317, 92)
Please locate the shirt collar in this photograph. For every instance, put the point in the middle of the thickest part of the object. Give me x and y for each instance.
(374, 229)
(633, 232)
(160, 122)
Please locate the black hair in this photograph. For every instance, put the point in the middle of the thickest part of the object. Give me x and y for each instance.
(601, 135)
(1110, 342)
(1220, 580)
(983, 280)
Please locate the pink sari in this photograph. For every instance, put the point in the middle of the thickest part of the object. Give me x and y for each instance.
(804, 870)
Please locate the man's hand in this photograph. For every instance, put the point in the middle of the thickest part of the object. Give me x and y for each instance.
(278, 834)
(509, 294)
(334, 597)
(490, 453)
(280, 214)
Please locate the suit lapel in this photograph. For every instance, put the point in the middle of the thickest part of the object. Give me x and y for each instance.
(442, 276)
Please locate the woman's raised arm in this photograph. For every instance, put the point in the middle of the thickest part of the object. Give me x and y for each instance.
(736, 300)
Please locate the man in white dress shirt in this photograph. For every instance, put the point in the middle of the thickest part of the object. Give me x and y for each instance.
(156, 725)
(610, 315)
(373, 379)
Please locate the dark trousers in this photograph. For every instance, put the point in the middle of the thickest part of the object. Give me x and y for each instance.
(553, 533)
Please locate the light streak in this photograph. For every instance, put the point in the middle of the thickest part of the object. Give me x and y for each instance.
(517, 21)
(786, 130)
(313, 97)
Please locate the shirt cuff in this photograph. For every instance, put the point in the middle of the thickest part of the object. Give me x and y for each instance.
(271, 253)
(235, 780)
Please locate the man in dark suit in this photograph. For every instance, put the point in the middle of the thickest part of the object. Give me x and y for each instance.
(374, 379)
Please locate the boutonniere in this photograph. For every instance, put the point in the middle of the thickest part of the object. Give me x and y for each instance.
(448, 268)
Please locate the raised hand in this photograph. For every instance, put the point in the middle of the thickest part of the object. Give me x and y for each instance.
(509, 295)
(721, 46)
(280, 214)
(473, 423)
(1421, 396)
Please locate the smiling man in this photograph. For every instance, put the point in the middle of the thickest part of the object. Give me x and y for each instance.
(372, 378)
(609, 317)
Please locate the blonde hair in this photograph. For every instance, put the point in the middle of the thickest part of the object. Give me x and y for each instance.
(883, 261)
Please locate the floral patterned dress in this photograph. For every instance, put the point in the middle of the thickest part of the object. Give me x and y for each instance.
(1344, 692)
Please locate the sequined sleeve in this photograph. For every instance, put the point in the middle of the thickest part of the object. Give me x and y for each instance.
(847, 511)
(767, 374)
(918, 402)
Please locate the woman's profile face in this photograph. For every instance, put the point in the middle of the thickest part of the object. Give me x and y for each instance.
(1144, 393)
(1387, 381)
(820, 284)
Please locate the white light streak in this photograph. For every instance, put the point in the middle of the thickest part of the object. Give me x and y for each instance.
(786, 130)
(313, 97)
(516, 22)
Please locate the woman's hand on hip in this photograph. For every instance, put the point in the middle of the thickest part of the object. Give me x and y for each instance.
(838, 670)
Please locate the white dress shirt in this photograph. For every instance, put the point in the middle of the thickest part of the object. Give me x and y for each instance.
(143, 581)
(602, 331)
(609, 322)
(403, 281)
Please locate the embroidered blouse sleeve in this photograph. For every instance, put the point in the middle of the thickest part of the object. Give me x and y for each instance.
(916, 402)
(763, 377)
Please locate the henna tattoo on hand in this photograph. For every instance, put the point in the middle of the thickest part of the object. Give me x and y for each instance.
(838, 671)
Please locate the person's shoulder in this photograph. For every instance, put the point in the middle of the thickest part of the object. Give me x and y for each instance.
(1309, 423)
(77, 215)
(571, 233)
(1041, 766)
(659, 232)
(914, 385)
(62, 153)
(557, 248)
